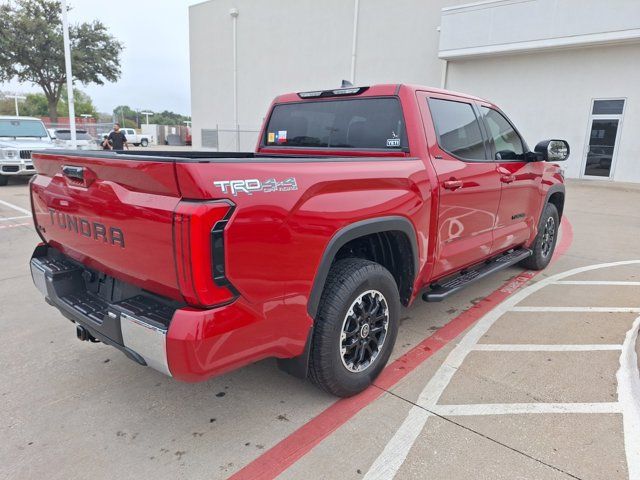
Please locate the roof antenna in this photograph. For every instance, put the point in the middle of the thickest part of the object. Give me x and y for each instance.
(346, 83)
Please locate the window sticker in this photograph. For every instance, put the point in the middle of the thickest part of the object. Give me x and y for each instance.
(394, 141)
(281, 137)
(271, 137)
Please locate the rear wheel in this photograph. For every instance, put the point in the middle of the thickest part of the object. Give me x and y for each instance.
(356, 327)
(144, 142)
(545, 242)
(3, 180)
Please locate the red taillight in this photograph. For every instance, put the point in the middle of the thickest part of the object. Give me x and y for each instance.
(193, 226)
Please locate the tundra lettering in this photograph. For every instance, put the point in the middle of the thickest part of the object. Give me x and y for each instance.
(356, 201)
(84, 227)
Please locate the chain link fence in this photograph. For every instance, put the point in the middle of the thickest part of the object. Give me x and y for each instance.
(240, 139)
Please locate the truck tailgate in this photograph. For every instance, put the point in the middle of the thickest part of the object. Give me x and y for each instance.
(112, 215)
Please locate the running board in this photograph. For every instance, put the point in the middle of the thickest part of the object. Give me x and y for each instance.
(440, 291)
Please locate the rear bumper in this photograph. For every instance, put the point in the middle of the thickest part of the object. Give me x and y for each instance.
(137, 326)
(186, 343)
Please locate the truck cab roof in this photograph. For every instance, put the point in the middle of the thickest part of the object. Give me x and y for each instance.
(382, 89)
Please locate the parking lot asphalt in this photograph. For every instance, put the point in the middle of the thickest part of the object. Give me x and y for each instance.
(519, 376)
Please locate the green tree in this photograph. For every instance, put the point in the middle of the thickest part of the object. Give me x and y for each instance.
(7, 106)
(133, 118)
(35, 105)
(81, 101)
(31, 49)
(168, 118)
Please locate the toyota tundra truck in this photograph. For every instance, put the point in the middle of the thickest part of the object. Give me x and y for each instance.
(356, 201)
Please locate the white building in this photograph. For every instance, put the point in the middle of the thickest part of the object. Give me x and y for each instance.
(559, 68)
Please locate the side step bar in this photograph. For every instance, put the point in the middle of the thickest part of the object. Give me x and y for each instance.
(440, 291)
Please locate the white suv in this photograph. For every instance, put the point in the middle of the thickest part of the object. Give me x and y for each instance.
(19, 136)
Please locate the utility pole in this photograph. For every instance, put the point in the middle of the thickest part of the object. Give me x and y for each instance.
(67, 65)
(16, 98)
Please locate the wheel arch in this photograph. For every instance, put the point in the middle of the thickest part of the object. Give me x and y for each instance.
(389, 233)
(555, 196)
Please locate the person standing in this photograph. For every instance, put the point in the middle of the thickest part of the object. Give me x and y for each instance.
(116, 139)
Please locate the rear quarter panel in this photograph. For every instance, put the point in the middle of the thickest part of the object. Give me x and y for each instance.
(275, 240)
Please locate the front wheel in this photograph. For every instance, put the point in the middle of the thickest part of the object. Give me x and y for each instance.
(3, 180)
(356, 327)
(545, 242)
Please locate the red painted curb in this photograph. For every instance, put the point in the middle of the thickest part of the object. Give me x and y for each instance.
(292, 448)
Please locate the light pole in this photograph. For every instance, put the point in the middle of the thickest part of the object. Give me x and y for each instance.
(67, 65)
(16, 98)
(234, 12)
(146, 114)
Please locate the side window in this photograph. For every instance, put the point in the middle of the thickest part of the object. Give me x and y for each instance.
(457, 128)
(506, 140)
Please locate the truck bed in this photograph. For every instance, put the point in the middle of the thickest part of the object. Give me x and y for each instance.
(140, 218)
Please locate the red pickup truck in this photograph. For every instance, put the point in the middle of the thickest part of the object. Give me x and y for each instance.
(355, 202)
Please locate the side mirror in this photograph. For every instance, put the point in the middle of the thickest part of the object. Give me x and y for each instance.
(552, 150)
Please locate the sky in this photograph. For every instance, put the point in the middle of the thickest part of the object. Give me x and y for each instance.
(155, 60)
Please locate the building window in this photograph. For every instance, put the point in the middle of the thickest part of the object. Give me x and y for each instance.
(604, 131)
(607, 107)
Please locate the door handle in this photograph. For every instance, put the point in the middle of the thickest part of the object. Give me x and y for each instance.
(74, 173)
(78, 176)
(507, 178)
(452, 184)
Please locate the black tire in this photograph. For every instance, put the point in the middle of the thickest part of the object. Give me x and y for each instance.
(3, 180)
(545, 242)
(144, 142)
(354, 285)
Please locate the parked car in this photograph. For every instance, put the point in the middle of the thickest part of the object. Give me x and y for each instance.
(84, 141)
(356, 201)
(19, 137)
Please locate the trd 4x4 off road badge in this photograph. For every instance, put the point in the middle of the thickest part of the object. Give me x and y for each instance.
(251, 185)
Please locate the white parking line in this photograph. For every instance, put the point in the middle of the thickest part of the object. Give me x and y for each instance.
(629, 397)
(503, 347)
(596, 282)
(15, 225)
(15, 207)
(578, 309)
(394, 454)
(524, 408)
(6, 219)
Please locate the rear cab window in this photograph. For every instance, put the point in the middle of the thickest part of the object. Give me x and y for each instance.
(362, 124)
